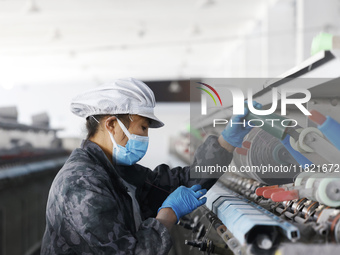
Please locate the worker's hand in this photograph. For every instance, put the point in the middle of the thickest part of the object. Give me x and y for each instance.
(184, 200)
(234, 134)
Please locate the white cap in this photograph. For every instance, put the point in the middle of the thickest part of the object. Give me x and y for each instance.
(122, 96)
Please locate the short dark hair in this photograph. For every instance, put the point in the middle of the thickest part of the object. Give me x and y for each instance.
(92, 125)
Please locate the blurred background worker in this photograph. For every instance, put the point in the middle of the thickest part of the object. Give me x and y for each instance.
(101, 201)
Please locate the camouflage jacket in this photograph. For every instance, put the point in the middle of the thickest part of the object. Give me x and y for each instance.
(90, 212)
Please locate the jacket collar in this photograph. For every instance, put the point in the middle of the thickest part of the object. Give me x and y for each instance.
(134, 174)
(98, 155)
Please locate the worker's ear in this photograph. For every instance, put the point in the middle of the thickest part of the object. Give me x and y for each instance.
(110, 124)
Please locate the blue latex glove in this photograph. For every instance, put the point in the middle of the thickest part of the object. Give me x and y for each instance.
(184, 200)
(234, 134)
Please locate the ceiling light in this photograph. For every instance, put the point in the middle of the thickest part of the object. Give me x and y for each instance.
(196, 30)
(124, 47)
(174, 87)
(206, 3)
(32, 7)
(72, 53)
(141, 33)
(56, 34)
(142, 30)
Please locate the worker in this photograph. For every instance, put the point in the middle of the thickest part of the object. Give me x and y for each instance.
(101, 201)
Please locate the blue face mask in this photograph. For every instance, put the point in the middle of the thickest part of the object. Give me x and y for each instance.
(133, 151)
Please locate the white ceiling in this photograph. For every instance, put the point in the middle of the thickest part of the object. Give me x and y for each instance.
(77, 40)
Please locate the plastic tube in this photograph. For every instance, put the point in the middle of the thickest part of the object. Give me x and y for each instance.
(302, 160)
(328, 126)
